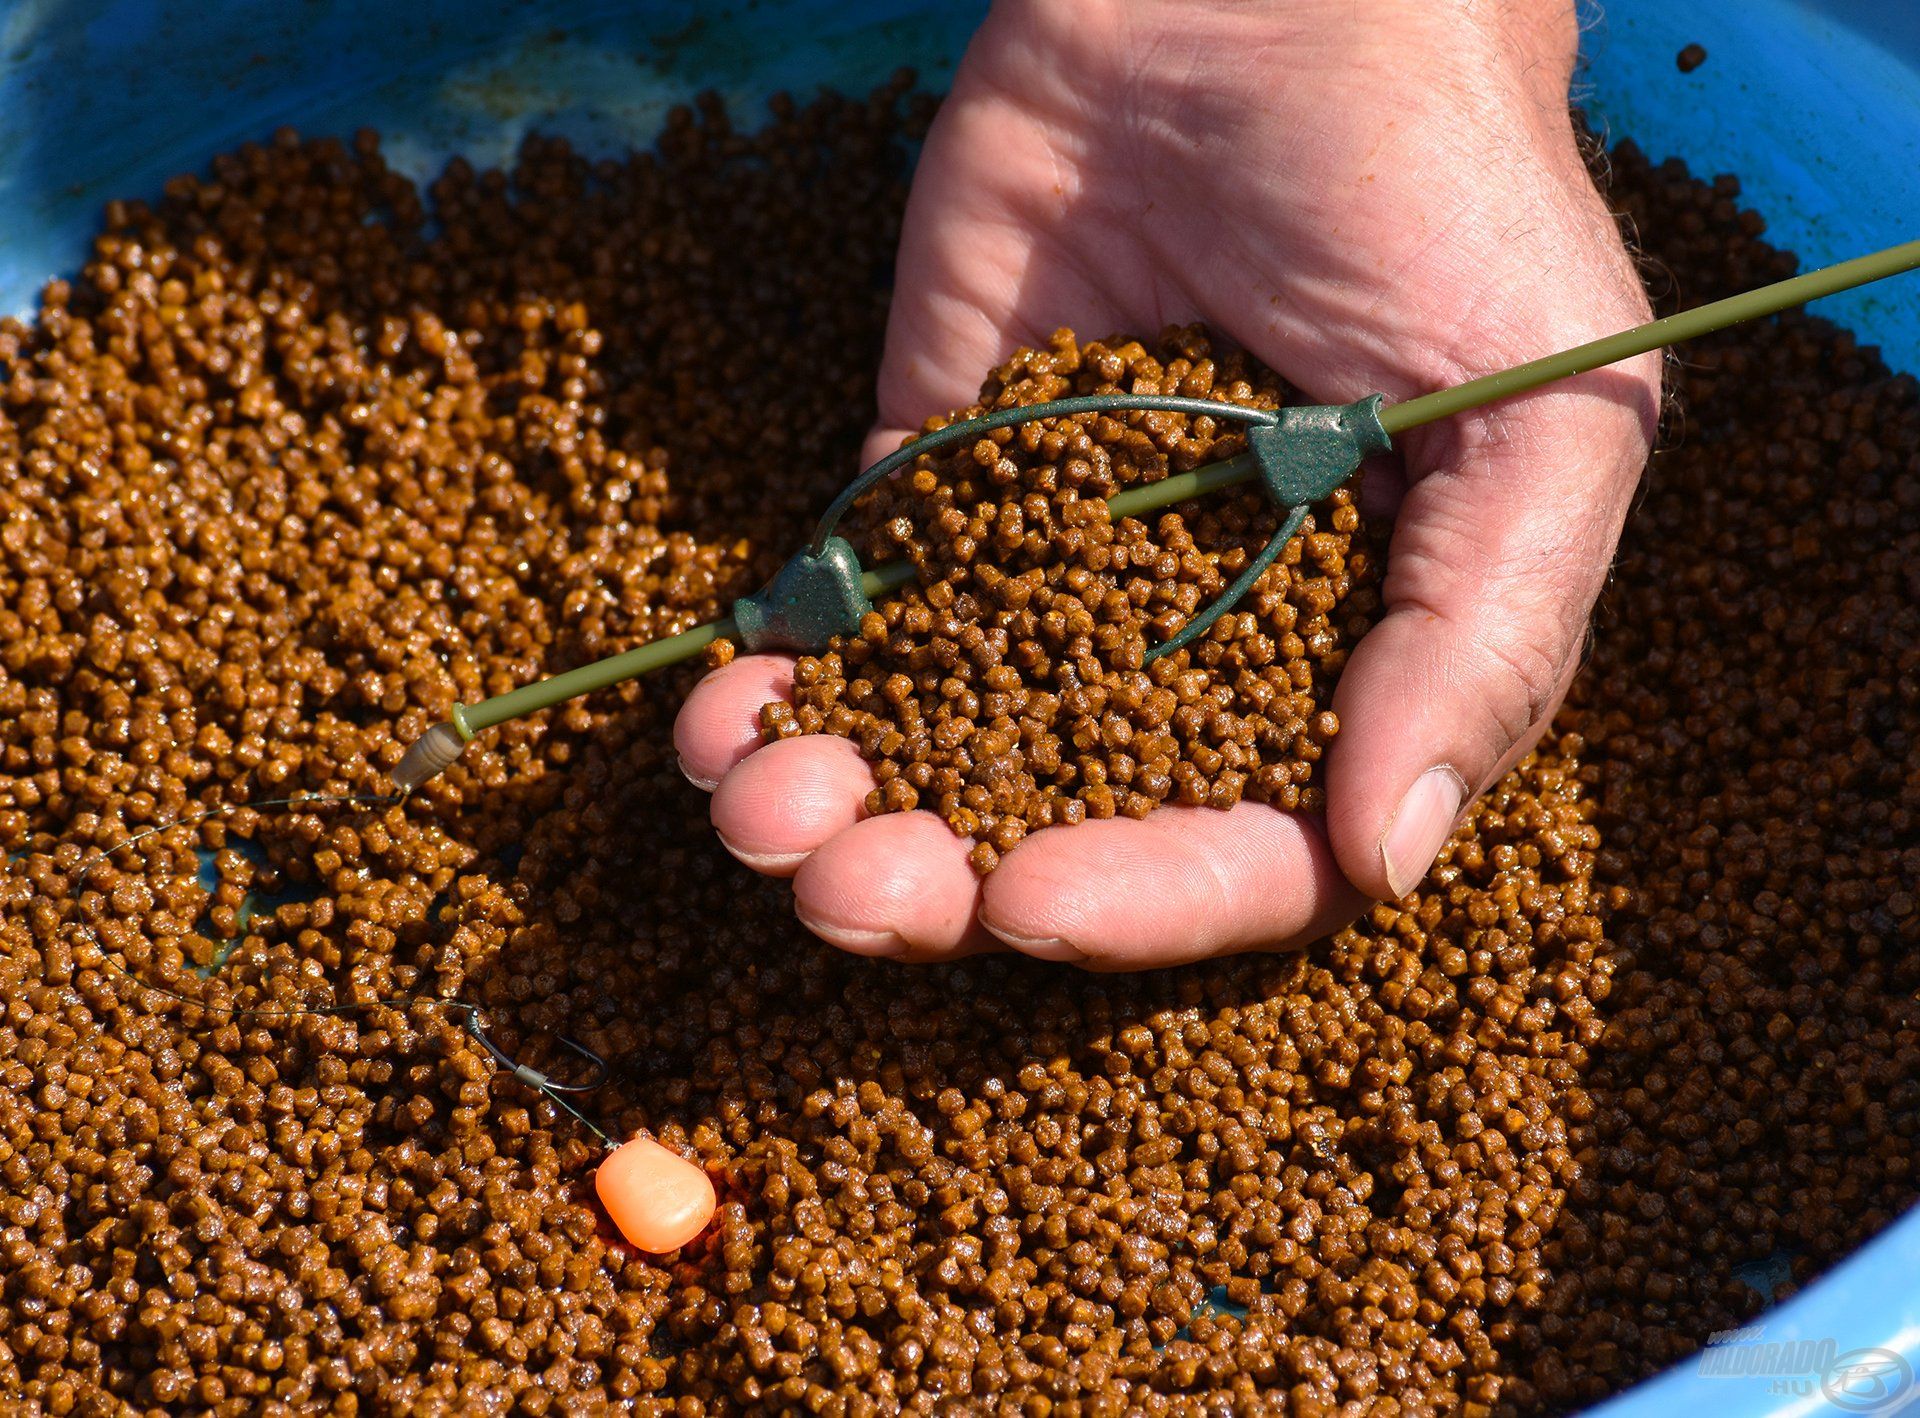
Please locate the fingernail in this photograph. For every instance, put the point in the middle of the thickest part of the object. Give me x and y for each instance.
(766, 863)
(1420, 828)
(1045, 947)
(881, 944)
(705, 785)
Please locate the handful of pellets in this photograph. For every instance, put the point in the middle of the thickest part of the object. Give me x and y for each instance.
(1007, 688)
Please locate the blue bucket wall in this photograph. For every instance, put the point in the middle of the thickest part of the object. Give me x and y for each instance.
(1815, 103)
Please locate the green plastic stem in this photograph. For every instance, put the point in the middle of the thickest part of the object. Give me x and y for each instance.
(470, 719)
(1655, 334)
(1183, 487)
(1474, 394)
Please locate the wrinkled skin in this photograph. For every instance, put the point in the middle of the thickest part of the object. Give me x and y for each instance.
(1372, 195)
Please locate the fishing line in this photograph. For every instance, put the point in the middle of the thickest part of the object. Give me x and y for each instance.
(472, 1015)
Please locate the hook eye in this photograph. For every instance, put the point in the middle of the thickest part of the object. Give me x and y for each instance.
(530, 1075)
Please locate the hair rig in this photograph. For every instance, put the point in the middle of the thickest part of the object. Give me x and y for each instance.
(658, 1199)
(1297, 455)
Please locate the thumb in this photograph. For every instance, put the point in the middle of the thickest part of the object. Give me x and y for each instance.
(1498, 554)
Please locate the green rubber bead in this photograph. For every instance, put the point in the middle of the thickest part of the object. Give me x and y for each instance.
(810, 600)
(1306, 456)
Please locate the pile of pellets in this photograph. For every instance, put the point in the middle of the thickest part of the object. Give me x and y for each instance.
(302, 457)
(1008, 688)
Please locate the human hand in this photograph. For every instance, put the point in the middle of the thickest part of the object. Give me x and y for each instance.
(1375, 196)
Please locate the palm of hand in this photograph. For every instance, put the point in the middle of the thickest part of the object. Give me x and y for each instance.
(1361, 219)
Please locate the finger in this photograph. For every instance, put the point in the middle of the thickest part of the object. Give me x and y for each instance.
(720, 723)
(898, 885)
(1499, 553)
(781, 803)
(1183, 883)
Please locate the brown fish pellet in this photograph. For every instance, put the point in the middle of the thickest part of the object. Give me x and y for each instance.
(1691, 58)
(1009, 687)
(303, 455)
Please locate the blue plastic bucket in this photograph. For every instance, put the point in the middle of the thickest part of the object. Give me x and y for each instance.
(1815, 103)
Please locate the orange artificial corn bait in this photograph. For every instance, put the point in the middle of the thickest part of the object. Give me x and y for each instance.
(657, 1198)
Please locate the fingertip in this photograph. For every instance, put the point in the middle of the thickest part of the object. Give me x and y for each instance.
(898, 885)
(1419, 828)
(880, 442)
(1181, 884)
(719, 724)
(780, 804)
